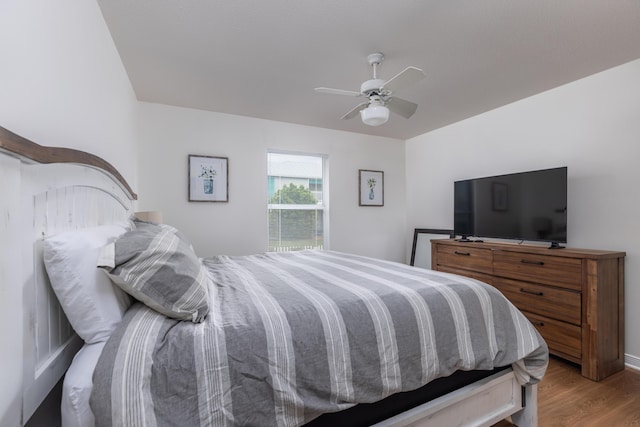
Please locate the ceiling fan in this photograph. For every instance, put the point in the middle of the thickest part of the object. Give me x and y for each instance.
(379, 94)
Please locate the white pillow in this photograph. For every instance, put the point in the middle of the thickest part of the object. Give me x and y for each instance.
(93, 305)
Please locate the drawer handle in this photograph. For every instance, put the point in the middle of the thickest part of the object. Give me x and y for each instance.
(462, 253)
(538, 323)
(527, 291)
(526, 261)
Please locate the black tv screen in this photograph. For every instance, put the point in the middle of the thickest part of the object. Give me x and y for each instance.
(522, 206)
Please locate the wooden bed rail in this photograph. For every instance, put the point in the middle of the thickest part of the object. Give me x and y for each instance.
(22, 147)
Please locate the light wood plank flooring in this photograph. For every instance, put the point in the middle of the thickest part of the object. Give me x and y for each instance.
(565, 398)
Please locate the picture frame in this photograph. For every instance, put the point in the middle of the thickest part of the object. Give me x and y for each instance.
(499, 196)
(208, 178)
(370, 187)
(421, 250)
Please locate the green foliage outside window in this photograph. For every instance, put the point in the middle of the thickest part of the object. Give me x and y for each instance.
(295, 224)
(292, 195)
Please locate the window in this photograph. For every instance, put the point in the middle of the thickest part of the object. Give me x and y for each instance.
(296, 201)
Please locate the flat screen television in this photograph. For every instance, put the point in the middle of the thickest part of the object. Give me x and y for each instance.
(522, 206)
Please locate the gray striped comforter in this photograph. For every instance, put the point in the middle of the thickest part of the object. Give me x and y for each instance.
(290, 336)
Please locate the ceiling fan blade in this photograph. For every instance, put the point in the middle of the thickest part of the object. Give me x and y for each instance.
(337, 91)
(402, 107)
(354, 111)
(406, 77)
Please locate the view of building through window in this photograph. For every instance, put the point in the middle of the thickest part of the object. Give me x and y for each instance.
(295, 198)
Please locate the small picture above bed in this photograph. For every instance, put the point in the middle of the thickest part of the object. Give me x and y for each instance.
(157, 266)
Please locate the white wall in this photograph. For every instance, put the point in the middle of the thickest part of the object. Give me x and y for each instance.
(591, 125)
(62, 84)
(170, 134)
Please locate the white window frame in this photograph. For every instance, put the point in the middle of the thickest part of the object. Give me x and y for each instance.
(325, 194)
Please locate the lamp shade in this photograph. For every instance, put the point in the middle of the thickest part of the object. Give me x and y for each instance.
(375, 115)
(151, 216)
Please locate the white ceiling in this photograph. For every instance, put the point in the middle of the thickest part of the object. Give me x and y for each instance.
(263, 58)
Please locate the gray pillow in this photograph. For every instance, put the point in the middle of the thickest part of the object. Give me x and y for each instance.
(137, 222)
(153, 264)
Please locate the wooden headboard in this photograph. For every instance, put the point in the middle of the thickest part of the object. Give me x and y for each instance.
(29, 151)
(52, 190)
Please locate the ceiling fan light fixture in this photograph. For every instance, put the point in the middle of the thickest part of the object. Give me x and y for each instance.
(375, 115)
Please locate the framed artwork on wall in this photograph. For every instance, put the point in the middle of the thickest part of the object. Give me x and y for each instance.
(208, 179)
(371, 188)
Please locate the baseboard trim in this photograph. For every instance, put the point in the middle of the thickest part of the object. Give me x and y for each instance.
(632, 362)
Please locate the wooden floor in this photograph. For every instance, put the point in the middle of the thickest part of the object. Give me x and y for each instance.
(565, 398)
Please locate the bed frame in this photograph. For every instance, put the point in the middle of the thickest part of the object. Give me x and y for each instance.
(59, 189)
(63, 189)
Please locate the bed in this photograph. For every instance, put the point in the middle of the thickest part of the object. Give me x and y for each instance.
(265, 339)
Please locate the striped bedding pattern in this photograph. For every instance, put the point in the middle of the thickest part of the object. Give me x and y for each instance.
(290, 336)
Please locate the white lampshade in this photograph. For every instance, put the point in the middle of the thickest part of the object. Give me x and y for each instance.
(151, 216)
(375, 115)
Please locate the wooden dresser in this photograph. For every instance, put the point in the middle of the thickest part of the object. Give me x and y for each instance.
(574, 297)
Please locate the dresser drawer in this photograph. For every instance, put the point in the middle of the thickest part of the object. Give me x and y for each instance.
(467, 273)
(562, 338)
(559, 304)
(551, 270)
(463, 257)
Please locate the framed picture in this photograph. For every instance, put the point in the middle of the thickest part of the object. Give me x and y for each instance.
(421, 250)
(499, 196)
(208, 179)
(371, 185)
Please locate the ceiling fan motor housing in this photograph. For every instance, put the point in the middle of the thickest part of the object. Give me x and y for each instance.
(371, 86)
